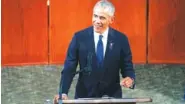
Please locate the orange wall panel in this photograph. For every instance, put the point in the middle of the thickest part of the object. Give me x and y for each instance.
(166, 31)
(24, 32)
(67, 17)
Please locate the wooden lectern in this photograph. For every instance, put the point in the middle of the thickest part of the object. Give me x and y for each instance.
(106, 101)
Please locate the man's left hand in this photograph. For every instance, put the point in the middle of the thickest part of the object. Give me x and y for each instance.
(127, 82)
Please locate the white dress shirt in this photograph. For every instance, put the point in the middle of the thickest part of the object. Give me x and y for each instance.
(104, 39)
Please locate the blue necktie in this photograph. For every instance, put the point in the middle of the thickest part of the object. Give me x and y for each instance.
(99, 53)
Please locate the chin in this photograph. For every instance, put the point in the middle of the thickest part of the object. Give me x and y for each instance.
(97, 30)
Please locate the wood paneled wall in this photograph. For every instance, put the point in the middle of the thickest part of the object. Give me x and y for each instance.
(155, 29)
(130, 18)
(67, 17)
(166, 31)
(70, 16)
(24, 32)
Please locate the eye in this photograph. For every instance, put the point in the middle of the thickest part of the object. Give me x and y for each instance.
(95, 15)
(102, 18)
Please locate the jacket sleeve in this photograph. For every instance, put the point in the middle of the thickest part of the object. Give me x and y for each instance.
(69, 68)
(126, 64)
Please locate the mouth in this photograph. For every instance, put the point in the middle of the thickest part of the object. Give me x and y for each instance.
(98, 26)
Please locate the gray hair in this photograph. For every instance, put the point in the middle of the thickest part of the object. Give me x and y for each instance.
(106, 5)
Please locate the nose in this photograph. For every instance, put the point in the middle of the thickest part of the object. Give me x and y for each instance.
(97, 20)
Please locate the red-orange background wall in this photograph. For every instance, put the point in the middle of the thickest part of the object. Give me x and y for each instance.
(33, 33)
(24, 32)
(166, 31)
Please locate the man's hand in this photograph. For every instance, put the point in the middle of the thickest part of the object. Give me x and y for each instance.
(64, 97)
(127, 82)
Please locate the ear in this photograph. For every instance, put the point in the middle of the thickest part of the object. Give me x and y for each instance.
(111, 19)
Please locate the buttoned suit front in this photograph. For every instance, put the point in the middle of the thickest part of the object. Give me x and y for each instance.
(98, 81)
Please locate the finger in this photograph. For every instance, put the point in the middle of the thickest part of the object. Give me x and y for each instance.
(56, 99)
(122, 83)
(64, 97)
(126, 85)
(126, 82)
(130, 83)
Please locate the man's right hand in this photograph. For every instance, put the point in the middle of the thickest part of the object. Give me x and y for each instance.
(64, 97)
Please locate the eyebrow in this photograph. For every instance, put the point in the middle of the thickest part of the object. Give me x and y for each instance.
(100, 16)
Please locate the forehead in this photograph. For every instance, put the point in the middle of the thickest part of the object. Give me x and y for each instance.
(101, 12)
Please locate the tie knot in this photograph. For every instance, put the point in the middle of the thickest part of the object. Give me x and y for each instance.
(100, 36)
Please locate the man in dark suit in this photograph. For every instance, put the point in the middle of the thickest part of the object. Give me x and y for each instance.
(102, 53)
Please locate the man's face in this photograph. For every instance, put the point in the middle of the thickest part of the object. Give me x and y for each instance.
(101, 20)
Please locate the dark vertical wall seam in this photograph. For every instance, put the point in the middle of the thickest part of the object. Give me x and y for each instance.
(147, 27)
(48, 27)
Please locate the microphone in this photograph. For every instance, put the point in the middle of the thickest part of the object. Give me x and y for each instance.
(89, 63)
(60, 93)
(106, 97)
(88, 69)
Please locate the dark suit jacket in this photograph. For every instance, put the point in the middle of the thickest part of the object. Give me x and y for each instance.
(101, 81)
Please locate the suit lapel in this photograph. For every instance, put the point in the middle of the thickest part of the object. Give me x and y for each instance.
(91, 44)
(110, 45)
(91, 47)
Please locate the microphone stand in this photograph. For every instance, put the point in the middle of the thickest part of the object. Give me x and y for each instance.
(87, 71)
(60, 93)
